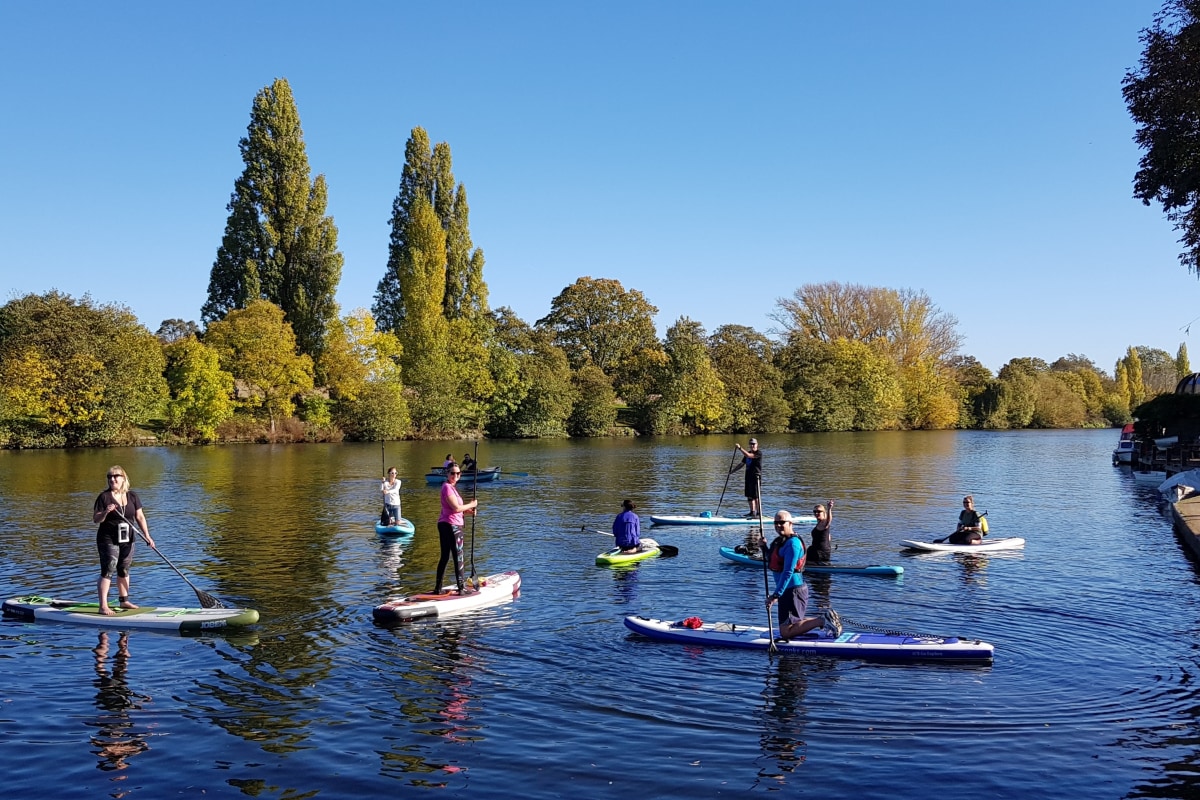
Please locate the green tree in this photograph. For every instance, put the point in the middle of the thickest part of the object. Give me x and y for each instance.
(1117, 409)
(693, 394)
(257, 346)
(1133, 370)
(598, 321)
(742, 358)
(1060, 401)
(1158, 370)
(444, 400)
(1183, 367)
(106, 370)
(595, 411)
(537, 395)
(974, 381)
(841, 385)
(279, 245)
(360, 366)
(174, 330)
(903, 324)
(428, 175)
(1163, 100)
(201, 393)
(931, 396)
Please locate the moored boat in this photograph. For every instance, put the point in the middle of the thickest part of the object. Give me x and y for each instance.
(1126, 445)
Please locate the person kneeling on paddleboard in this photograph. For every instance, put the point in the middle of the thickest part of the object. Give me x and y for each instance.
(785, 558)
(970, 524)
(627, 529)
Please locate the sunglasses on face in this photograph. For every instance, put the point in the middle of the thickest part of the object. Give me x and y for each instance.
(111, 477)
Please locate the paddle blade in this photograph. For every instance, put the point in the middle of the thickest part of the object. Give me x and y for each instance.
(667, 551)
(207, 600)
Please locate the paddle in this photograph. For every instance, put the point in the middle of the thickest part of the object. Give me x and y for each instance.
(728, 472)
(944, 538)
(206, 599)
(664, 550)
(762, 543)
(475, 497)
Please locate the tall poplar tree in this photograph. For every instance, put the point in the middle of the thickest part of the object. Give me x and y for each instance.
(428, 174)
(279, 245)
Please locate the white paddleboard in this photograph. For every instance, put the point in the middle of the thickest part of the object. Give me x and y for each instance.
(1012, 543)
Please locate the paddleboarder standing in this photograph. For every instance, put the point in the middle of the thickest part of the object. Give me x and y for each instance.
(752, 460)
(114, 537)
(450, 530)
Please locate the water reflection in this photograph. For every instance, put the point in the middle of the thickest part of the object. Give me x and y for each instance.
(974, 570)
(625, 585)
(783, 720)
(116, 739)
(439, 702)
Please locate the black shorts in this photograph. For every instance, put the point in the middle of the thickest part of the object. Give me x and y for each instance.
(793, 605)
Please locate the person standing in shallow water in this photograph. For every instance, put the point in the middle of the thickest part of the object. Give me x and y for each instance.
(115, 536)
(450, 530)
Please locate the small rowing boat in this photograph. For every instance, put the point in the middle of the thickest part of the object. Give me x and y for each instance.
(437, 476)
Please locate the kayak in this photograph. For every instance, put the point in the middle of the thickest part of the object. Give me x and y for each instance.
(495, 589)
(823, 569)
(871, 646)
(614, 557)
(684, 519)
(1011, 543)
(35, 608)
(402, 528)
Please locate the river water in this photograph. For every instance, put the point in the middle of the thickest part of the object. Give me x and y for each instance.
(1091, 693)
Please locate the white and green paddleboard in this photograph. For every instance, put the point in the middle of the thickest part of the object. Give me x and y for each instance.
(35, 608)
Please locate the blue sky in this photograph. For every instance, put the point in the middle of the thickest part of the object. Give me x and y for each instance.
(713, 155)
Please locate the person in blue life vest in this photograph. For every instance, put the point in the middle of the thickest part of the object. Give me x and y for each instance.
(752, 460)
(970, 524)
(627, 529)
(785, 558)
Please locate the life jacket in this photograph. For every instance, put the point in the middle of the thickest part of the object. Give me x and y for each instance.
(775, 558)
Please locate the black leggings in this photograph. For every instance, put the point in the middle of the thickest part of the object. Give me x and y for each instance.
(451, 539)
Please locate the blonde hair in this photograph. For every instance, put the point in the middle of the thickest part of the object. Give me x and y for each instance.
(119, 468)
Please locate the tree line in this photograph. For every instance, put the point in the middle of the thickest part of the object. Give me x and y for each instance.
(274, 358)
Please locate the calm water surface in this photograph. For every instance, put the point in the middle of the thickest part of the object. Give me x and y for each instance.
(1091, 694)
